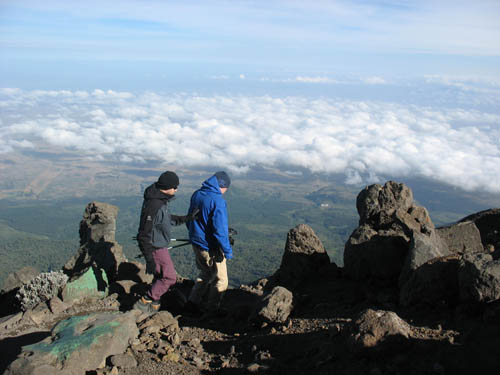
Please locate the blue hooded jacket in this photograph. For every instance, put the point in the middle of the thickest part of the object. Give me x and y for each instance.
(210, 230)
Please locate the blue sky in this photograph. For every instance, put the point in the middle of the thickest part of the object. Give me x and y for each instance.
(370, 89)
(132, 44)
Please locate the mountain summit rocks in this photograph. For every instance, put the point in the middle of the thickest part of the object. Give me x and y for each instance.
(98, 246)
(388, 219)
(304, 254)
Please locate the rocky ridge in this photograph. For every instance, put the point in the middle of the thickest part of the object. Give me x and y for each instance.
(411, 298)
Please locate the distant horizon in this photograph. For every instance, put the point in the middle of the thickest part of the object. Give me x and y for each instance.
(366, 89)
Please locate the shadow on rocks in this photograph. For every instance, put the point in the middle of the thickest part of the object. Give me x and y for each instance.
(11, 347)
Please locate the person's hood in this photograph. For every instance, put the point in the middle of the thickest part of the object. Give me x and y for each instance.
(152, 192)
(211, 184)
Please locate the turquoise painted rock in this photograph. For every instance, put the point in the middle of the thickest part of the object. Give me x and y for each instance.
(77, 345)
(92, 284)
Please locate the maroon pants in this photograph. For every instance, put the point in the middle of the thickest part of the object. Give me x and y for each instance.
(165, 275)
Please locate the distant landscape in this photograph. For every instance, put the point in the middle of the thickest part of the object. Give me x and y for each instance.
(39, 218)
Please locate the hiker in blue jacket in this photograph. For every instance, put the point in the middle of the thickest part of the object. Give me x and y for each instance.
(209, 235)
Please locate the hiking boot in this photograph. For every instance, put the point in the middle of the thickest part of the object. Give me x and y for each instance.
(147, 305)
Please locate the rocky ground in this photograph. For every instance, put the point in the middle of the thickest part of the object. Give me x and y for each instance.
(318, 338)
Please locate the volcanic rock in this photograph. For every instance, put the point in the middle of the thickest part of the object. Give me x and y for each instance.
(97, 242)
(304, 254)
(462, 237)
(388, 218)
(375, 328)
(488, 223)
(433, 282)
(77, 345)
(479, 277)
(275, 307)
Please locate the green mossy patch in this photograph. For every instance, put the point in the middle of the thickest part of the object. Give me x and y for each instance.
(68, 336)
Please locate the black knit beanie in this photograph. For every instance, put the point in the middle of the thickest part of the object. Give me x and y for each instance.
(167, 180)
(223, 179)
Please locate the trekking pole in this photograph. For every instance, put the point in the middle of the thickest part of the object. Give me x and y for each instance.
(185, 240)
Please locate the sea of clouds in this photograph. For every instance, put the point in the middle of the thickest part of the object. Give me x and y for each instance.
(364, 140)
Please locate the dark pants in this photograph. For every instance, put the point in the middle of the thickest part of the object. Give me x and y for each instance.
(165, 275)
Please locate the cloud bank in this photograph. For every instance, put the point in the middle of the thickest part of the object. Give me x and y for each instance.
(363, 140)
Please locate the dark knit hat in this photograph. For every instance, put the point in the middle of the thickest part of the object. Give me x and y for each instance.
(223, 179)
(167, 180)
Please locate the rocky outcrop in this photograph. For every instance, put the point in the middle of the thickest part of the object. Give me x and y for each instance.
(77, 345)
(479, 277)
(304, 254)
(388, 219)
(98, 247)
(488, 223)
(462, 237)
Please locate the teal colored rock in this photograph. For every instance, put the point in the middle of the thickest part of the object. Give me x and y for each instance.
(92, 284)
(78, 344)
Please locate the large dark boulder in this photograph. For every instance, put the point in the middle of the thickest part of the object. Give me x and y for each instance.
(388, 219)
(479, 277)
(488, 223)
(423, 247)
(98, 247)
(462, 237)
(304, 255)
(433, 282)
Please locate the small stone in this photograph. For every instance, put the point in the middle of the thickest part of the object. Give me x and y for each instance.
(262, 356)
(334, 330)
(123, 361)
(139, 348)
(57, 306)
(194, 343)
(198, 362)
(171, 356)
(273, 331)
(174, 339)
(237, 334)
(254, 348)
(232, 350)
(253, 368)
(102, 364)
(152, 329)
(114, 371)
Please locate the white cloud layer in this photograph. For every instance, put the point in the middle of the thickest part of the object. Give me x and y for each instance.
(361, 139)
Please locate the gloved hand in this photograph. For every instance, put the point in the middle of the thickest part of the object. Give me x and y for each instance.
(150, 263)
(193, 215)
(232, 232)
(217, 254)
(178, 220)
